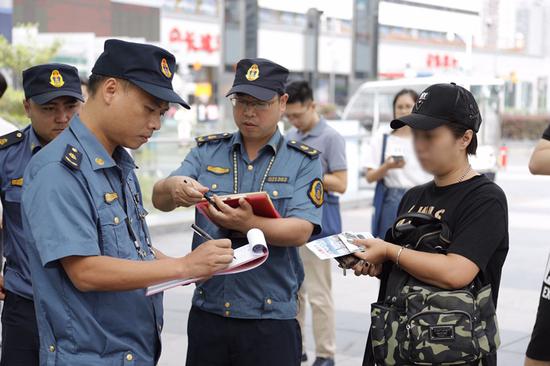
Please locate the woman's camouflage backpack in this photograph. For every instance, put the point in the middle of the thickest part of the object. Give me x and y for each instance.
(420, 324)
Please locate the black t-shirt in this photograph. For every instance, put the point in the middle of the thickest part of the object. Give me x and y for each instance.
(477, 215)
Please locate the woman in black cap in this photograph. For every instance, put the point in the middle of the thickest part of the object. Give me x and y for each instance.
(454, 237)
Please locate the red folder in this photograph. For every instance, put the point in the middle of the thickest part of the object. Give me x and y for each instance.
(260, 201)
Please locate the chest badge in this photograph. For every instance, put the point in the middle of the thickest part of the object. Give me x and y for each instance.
(316, 192)
(109, 197)
(17, 182)
(217, 169)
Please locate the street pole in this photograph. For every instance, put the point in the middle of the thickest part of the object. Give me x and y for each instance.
(364, 50)
(311, 46)
(238, 39)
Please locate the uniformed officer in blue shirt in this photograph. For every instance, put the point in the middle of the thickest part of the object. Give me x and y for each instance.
(52, 96)
(250, 318)
(89, 247)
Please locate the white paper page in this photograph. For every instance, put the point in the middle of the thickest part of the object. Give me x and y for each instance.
(247, 257)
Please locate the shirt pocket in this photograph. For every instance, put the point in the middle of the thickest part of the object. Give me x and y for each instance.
(13, 194)
(115, 239)
(220, 184)
(280, 194)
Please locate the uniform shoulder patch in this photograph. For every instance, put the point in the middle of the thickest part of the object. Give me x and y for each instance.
(211, 138)
(72, 157)
(11, 138)
(308, 150)
(316, 192)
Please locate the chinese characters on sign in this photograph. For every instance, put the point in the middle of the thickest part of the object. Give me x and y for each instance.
(195, 42)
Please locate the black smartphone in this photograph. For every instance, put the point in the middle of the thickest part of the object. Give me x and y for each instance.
(208, 197)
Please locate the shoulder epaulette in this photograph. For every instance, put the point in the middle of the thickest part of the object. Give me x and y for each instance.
(11, 138)
(72, 157)
(211, 138)
(308, 150)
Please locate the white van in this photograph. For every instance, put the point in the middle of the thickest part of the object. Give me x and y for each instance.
(371, 105)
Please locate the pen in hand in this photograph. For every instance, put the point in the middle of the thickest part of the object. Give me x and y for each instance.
(200, 232)
(203, 234)
(207, 196)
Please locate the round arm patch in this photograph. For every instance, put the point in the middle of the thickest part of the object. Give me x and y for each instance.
(316, 192)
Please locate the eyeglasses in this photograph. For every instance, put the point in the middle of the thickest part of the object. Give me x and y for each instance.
(243, 104)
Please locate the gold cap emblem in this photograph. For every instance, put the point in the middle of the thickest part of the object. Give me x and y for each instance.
(165, 69)
(56, 79)
(253, 73)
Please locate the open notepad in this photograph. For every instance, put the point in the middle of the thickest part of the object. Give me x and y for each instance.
(247, 257)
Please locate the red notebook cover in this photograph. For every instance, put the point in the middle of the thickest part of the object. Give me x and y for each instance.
(260, 201)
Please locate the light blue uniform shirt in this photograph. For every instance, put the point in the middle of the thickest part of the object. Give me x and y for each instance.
(13, 161)
(69, 198)
(269, 291)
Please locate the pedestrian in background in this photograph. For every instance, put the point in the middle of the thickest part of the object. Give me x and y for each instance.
(393, 165)
(312, 129)
(538, 351)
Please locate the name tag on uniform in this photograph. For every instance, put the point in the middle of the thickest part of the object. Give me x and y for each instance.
(110, 197)
(17, 182)
(274, 179)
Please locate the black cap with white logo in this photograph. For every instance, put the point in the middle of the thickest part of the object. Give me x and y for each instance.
(440, 104)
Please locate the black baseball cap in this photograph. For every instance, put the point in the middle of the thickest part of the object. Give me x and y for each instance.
(440, 104)
(151, 68)
(259, 78)
(42, 83)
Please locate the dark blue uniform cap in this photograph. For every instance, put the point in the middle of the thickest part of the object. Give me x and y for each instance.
(149, 67)
(42, 83)
(259, 78)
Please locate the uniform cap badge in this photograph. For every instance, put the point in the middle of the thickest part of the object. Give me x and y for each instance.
(165, 69)
(253, 73)
(56, 80)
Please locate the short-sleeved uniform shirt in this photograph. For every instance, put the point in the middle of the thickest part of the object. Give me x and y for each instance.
(80, 201)
(13, 161)
(269, 291)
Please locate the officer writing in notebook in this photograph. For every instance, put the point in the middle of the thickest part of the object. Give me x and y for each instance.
(250, 318)
(52, 96)
(90, 252)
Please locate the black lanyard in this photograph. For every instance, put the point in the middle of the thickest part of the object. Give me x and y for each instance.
(135, 237)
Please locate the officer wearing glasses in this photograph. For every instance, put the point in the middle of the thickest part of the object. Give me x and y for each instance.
(250, 318)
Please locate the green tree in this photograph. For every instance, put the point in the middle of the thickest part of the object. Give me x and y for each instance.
(15, 59)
